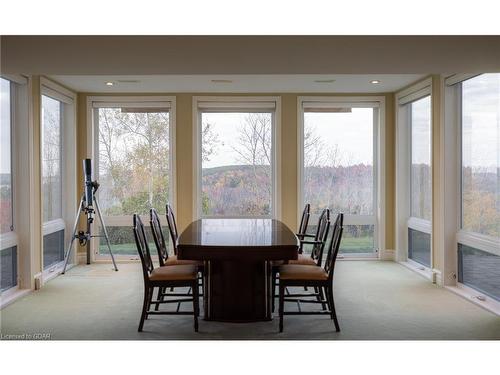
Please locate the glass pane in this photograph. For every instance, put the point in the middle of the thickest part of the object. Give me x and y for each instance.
(421, 190)
(479, 270)
(51, 158)
(6, 209)
(53, 248)
(8, 272)
(123, 242)
(338, 161)
(236, 164)
(134, 162)
(419, 247)
(357, 239)
(481, 154)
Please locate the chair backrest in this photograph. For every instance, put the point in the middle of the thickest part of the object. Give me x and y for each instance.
(161, 246)
(172, 227)
(142, 246)
(334, 247)
(321, 236)
(304, 220)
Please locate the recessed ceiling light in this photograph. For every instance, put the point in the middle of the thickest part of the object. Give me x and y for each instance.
(375, 81)
(324, 80)
(109, 83)
(221, 81)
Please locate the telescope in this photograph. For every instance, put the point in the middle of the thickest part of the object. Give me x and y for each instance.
(86, 206)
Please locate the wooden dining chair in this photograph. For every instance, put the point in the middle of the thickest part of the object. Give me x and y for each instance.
(163, 277)
(304, 221)
(295, 275)
(315, 258)
(165, 260)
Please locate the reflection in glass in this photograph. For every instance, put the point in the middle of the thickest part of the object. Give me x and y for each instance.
(479, 270)
(419, 247)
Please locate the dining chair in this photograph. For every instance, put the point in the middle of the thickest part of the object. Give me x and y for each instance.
(304, 221)
(295, 275)
(315, 258)
(163, 277)
(164, 258)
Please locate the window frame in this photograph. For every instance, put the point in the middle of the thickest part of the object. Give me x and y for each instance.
(67, 99)
(404, 219)
(451, 207)
(378, 217)
(22, 174)
(10, 239)
(242, 104)
(150, 101)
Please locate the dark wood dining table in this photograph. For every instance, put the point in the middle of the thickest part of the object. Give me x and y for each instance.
(237, 255)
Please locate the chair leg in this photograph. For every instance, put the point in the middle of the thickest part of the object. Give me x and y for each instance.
(160, 297)
(282, 304)
(150, 298)
(273, 286)
(333, 314)
(322, 298)
(196, 305)
(145, 304)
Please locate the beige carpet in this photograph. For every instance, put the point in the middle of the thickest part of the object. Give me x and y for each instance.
(375, 301)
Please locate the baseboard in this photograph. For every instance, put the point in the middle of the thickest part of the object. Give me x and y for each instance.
(387, 254)
(419, 269)
(471, 295)
(13, 295)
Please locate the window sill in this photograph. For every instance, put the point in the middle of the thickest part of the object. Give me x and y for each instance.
(420, 269)
(471, 295)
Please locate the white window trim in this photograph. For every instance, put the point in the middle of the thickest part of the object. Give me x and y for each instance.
(132, 101)
(270, 104)
(21, 237)
(378, 217)
(451, 140)
(68, 154)
(403, 219)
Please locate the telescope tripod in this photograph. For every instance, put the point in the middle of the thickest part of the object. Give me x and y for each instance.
(85, 237)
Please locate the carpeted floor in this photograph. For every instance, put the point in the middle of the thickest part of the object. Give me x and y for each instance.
(375, 301)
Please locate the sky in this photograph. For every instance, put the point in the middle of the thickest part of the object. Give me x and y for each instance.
(352, 132)
(5, 127)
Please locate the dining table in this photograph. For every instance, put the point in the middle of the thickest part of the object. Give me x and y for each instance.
(237, 255)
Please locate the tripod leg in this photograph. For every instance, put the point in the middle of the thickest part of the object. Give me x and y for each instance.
(98, 209)
(68, 252)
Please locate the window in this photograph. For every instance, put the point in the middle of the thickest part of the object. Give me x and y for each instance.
(479, 236)
(8, 250)
(339, 143)
(6, 207)
(52, 177)
(481, 155)
(134, 166)
(419, 225)
(237, 159)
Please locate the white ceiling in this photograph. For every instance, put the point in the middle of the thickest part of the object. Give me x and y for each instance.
(269, 83)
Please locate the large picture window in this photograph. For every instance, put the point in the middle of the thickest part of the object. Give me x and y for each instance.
(236, 155)
(52, 177)
(339, 143)
(479, 237)
(8, 240)
(134, 164)
(419, 224)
